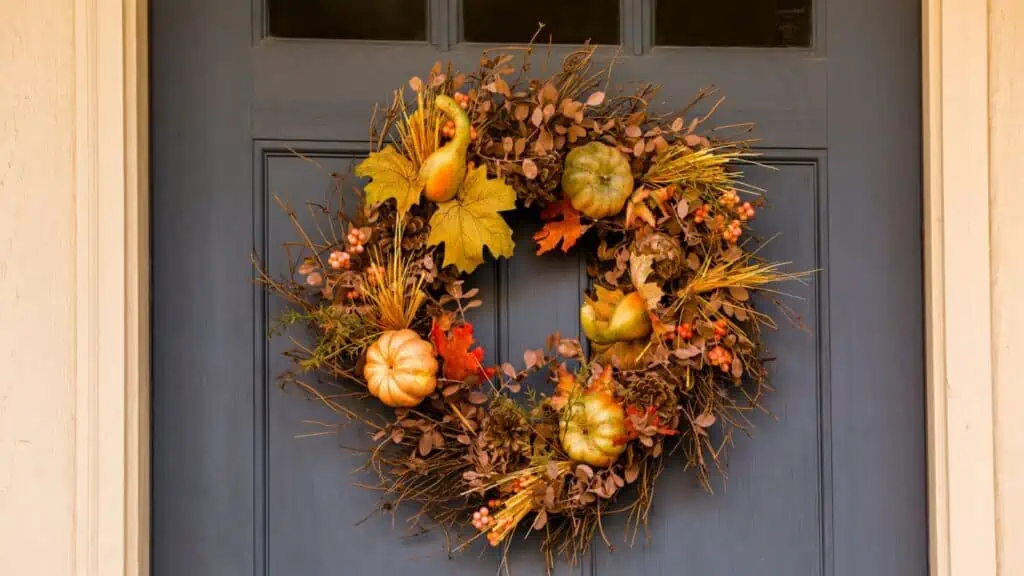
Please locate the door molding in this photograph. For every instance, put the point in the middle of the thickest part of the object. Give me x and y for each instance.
(113, 264)
(111, 164)
(958, 304)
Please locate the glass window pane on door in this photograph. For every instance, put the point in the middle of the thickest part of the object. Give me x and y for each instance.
(565, 21)
(348, 19)
(751, 23)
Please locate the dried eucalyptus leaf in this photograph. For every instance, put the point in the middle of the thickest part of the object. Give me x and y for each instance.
(426, 444)
(705, 420)
(739, 293)
(540, 520)
(632, 472)
(686, 352)
(538, 117)
(529, 168)
(552, 470)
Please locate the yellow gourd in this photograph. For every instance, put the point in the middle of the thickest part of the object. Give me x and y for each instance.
(615, 317)
(597, 179)
(443, 171)
(593, 425)
(400, 368)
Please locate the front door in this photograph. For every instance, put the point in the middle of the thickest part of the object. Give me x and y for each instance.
(835, 485)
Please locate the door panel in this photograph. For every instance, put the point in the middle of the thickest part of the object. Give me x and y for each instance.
(769, 515)
(834, 486)
(294, 98)
(313, 514)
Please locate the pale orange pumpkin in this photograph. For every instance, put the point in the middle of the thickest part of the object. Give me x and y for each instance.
(593, 425)
(400, 368)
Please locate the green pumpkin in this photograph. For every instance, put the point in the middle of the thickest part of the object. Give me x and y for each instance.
(597, 179)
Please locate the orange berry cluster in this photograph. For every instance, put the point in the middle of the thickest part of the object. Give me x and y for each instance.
(701, 214)
(339, 259)
(375, 272)
(482, 518)
(685, 331)
(732, 232)
(499, 531)
(721, 328)
(356, 239)
(448, 130)
(519, 484)
(720, 357)
(746, 212)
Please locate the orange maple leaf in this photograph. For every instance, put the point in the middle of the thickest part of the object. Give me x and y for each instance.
(564, 389)
(460, 363)
(567, 230)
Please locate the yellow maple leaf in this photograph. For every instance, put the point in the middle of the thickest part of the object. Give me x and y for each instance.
(392, 175)
(471, 221)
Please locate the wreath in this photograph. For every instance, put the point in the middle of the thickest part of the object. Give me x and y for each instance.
(673, 345)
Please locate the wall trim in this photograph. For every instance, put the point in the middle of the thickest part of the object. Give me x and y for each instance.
(111, 511)
(958, 306)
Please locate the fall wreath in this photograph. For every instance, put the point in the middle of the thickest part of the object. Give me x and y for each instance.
(672, 344)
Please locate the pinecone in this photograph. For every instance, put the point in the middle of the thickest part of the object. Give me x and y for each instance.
(414, 235)
(668, 254)
(652, 390)
(507, 433)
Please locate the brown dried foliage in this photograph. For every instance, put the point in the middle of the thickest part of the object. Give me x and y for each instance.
(476, 442)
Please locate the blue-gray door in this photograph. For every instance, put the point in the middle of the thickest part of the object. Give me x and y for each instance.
(835, 486)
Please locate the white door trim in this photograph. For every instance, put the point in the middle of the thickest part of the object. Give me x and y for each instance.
(112, 293)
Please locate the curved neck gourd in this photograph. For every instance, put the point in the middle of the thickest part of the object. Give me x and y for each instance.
(443, 171)
(456, 114)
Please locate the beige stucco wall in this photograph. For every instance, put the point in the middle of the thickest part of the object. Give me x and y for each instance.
(45, 472)
(1006, 172)
(37, 288)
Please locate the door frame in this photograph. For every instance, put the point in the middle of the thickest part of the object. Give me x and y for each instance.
(113, 263)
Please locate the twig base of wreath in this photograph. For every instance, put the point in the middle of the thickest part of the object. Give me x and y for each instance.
(674, 337)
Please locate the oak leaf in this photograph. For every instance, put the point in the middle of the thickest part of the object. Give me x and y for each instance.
(470, 221)
(566, 230)
(392, 175)
(637, 209)
(640, 268)
(460, 362)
